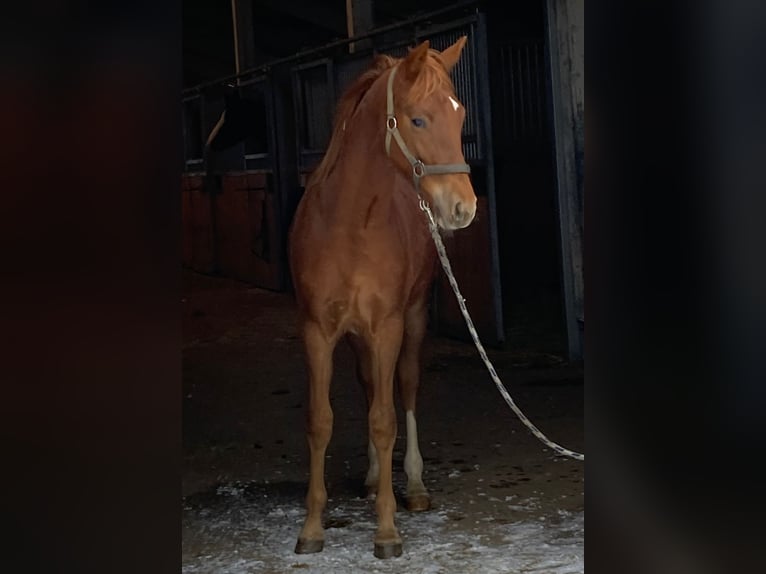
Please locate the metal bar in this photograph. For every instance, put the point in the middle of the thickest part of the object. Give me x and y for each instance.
(436, 29)
(284, 159)
(350, 23)
(253, 81)
(336, 44)
(481, 66)
(483, 150)
(236, 36)
(312, 64)
(275, 182)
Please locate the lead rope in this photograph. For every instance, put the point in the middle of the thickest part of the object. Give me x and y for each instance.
(475, 336)
(420, 170)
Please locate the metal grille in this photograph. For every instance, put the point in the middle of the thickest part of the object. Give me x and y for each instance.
(316, 104)
(464, 78)
(315, 95)
(348, 71)
(523, 76)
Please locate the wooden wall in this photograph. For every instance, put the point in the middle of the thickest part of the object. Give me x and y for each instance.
(231, 227)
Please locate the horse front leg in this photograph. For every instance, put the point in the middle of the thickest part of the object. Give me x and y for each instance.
(384, 349)
(319, 350)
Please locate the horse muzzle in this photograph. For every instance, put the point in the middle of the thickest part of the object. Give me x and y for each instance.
(452, 210)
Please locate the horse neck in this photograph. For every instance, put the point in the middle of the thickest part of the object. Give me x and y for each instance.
(366, 182)
(367, 194)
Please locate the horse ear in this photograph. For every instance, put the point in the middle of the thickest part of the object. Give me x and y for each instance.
(415, 60)
(451, 55)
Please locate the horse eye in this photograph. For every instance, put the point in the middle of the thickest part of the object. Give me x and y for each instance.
(418, 122)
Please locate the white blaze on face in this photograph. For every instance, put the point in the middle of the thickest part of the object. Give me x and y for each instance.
(454, 102)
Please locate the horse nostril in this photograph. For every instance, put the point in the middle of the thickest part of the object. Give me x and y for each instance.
(459, 213)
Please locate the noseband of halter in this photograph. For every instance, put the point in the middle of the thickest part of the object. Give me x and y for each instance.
(419, 169)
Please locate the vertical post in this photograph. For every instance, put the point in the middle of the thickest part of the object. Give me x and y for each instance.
(236, 37)
(244, 42)
(285, 154)
(566, 62)
(350, 23)
(480, 63)
(359, 20)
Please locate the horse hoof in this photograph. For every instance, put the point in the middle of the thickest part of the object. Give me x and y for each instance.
(372, 492)
(389, 550)
(419, 503)
(308, 546)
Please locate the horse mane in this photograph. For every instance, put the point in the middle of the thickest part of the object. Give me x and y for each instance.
(433, 76)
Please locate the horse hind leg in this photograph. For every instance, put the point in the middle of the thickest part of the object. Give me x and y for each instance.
(319, 349)
(408, 372)
(373, 472)
(364, 376)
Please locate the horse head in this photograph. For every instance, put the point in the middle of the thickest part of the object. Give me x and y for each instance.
(426, 119)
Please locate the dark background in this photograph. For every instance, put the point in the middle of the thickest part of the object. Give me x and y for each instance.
(90, 413)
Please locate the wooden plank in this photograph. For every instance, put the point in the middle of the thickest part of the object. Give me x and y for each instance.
(257, 180)
(231, 212)
(197, 226)
(266, 259)
(248, 230)
(566, 99)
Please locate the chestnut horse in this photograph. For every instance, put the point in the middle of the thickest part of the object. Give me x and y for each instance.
(362, 260)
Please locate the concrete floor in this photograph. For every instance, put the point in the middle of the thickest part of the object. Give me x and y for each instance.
(501, 501)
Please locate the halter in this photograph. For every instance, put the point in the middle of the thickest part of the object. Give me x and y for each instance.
(419, 169)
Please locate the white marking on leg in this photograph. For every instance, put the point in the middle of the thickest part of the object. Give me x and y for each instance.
(372, 472)
(413, 462)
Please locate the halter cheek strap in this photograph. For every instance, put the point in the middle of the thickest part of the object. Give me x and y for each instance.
(419, 169)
